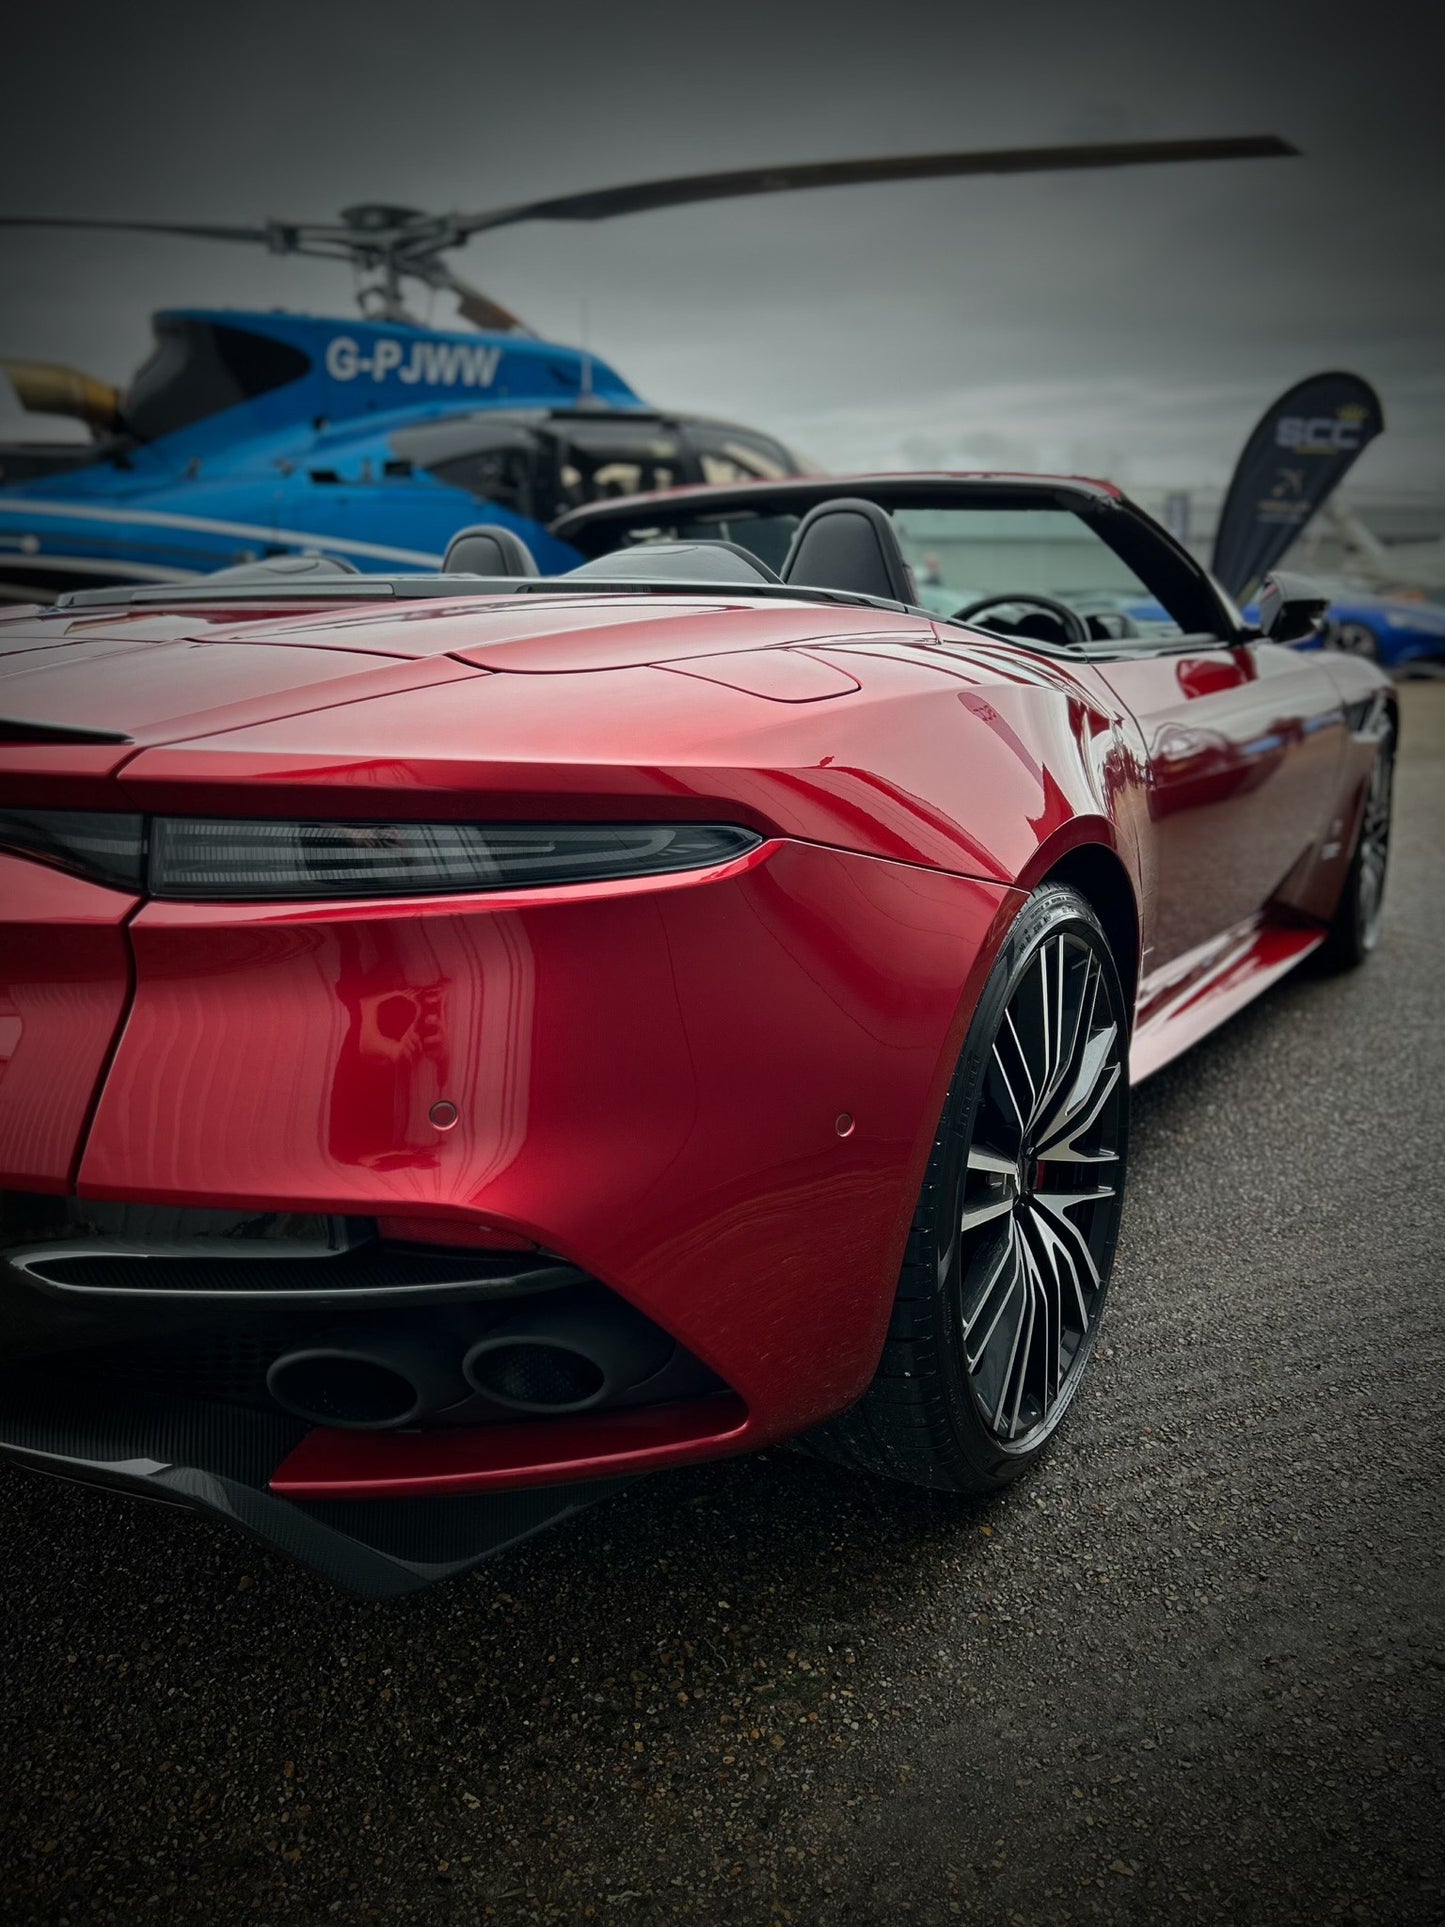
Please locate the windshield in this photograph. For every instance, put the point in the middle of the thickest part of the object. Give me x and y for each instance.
(962, 556)
(197, 368)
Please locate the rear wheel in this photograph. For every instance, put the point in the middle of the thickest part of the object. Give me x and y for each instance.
(1355, 927)
(1012, 1244)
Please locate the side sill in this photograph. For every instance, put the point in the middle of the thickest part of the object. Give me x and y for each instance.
(1226, 977)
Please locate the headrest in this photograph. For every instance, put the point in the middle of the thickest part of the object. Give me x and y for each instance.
(488, 549)
(682, 562)
(849, 544)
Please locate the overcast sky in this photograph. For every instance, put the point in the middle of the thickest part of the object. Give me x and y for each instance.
(1133, 322)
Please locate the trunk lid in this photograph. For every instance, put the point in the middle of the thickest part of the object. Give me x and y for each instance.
(165, 688)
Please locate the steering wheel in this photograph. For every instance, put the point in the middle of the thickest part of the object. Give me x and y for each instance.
(1076, 630)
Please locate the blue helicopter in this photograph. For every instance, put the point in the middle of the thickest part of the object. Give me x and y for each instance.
(248, 435)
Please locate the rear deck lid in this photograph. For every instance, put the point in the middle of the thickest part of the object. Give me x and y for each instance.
(131, 693)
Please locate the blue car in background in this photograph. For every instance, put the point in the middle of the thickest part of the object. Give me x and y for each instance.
(1397, 631)
(1394, 631)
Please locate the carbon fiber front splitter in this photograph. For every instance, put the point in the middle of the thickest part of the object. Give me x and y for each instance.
(218, 1459)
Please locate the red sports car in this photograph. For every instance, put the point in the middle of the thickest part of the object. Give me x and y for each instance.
(468, 1040)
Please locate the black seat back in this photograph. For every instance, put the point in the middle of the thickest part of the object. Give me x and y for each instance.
(488, 549)
(850, 544)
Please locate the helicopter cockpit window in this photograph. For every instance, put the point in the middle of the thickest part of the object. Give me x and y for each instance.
(497, 462)
(729, 454)
(197, 368)
(768, 537)
(600, 459)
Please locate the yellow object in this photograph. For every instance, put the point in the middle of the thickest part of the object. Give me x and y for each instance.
(49, 388)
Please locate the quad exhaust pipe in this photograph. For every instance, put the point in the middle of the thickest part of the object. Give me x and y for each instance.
(566, 1357)
(374, 1383)
(567, 1353)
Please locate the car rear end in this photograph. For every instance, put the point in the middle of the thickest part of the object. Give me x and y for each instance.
(401, 1144)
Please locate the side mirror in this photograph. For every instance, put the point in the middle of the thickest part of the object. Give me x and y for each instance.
(1291, 607)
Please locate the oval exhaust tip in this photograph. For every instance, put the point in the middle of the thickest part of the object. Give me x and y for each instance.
(347, 1389)
(536, 1375)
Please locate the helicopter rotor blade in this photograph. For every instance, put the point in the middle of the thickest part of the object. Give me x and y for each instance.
(432, 234)
(398, 242)
(478, 308)
(198, 231)
(683, 190)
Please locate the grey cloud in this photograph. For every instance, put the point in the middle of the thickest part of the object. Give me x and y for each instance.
(1136, 321)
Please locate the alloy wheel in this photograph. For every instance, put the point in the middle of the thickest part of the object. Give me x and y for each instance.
(1041, 1190)
(1374, 851)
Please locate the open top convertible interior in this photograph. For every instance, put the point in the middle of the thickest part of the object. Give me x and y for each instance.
(1059, 563)
(1054, 560)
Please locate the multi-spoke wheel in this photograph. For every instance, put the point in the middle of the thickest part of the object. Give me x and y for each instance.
(1356, 639)
(1039, 1186)
(1009, 1258)
(1355, 927)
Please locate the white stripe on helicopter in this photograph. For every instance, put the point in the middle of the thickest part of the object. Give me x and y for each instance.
(247, 531)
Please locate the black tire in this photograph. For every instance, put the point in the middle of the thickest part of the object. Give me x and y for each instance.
(1355, 927)
(1356, 639)
(930, 1415)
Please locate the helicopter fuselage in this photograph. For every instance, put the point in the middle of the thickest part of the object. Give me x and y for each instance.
(253, 434)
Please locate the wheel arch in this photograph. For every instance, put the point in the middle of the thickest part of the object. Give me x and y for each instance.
(1096, 872)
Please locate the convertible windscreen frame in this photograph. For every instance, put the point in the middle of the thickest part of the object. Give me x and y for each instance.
(1163, 565)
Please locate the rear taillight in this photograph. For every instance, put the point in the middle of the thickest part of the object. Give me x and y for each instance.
(223, 859)
(102, 845)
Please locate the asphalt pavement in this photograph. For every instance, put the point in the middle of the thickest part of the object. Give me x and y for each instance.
(1190, 1670)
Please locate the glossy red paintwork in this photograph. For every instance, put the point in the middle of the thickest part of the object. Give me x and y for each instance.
(893, 769)
(64, 983)
(161, 691)
(606, 1048)
(648, 1074)
(1244, 751)
(1209, 985)
(490, 1458)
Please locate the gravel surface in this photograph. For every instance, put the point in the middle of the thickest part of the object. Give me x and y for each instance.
(1190, 1670)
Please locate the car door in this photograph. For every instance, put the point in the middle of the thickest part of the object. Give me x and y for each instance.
(1241, 742)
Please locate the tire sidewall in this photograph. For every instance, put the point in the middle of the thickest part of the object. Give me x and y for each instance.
(1052, 910)
(1367, 938)
(1349, 942)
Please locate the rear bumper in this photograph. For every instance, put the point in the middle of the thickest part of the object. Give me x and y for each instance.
(713, 1094)
(217, 1461)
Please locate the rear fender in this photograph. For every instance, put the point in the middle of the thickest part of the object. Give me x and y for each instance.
(65, 981)
(713, 1093)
